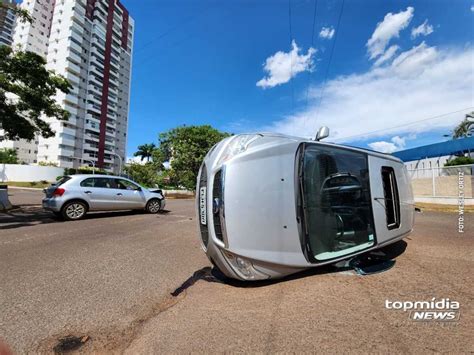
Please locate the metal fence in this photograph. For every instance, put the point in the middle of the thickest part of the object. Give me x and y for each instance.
(448, 181)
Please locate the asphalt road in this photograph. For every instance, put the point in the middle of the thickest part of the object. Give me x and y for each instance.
(138, 283)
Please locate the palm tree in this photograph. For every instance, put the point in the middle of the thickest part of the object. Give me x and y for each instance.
(465, 128)
(145, 151)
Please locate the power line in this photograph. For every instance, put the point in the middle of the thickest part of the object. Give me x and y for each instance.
(291, 58)
(323, 88)
(312, 42)
(171, 30)
(407, 124)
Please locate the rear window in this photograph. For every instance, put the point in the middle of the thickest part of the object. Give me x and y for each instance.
(62, 180)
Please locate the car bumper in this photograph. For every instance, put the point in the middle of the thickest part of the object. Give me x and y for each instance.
(51, 205)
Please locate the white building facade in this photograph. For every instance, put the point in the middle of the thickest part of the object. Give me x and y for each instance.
(90, 43)
(31, 37)
(7, 22)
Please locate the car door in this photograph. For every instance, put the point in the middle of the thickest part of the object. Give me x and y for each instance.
(131, 195)
(99, 193)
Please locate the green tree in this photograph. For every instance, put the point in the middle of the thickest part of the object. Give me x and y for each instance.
(27, 92)
(465, 128)
(185, 148)
(8, 156)
(145, 174)
(145, 151)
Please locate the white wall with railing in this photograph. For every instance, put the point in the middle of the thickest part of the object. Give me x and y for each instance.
(443, 183)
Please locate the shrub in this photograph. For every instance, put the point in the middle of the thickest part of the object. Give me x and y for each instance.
(459, 161)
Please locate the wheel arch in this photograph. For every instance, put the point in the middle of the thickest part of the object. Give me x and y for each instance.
(78, 200)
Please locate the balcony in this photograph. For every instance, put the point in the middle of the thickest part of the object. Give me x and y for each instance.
(74, 56)
(72, 67)
(73, 78)
(74, 46)
(93, 108)
(88, 146)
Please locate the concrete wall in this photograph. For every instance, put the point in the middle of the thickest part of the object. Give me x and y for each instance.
(445, 186)
(16, 172)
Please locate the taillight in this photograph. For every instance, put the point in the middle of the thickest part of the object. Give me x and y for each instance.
(59, 191)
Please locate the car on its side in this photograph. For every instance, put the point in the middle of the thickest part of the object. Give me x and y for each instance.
(75, 195)
(270, 205)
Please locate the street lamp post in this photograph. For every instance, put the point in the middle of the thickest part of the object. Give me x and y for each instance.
(120, 163)
(90, 161)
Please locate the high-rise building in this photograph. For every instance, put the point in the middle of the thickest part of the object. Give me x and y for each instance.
(31, 37)
(7, 22)
(90, 43)
(34, 36)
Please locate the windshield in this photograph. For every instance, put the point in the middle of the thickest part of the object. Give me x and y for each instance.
(335, 202)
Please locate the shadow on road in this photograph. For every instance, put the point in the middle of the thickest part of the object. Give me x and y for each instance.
(30, 215)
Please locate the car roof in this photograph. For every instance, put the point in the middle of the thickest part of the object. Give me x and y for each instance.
(97, 176)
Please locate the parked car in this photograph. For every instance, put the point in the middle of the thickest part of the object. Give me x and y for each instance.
(270, 205)
(73, 196)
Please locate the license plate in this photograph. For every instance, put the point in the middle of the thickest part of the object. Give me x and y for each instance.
(202, 205)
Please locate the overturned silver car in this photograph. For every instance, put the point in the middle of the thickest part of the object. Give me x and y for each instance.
(270, 205)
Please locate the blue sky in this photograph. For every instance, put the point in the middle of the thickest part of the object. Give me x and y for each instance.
(231, 64)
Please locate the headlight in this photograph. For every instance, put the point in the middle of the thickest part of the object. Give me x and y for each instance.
(244, 267)
(237, 145)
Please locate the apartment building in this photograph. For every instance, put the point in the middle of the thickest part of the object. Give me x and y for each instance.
(32, 37)
(90, 43)
(7, 22)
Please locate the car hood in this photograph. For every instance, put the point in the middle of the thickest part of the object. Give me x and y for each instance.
(260, 204)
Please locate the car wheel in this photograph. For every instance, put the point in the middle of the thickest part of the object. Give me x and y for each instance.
(74, 210)
(153, 206)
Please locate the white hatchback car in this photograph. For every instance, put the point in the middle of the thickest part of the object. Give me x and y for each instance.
(270, 205)
(75, 195)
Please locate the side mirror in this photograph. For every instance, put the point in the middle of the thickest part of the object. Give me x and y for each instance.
(323, 132)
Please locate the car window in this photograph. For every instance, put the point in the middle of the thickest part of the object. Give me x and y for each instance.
(99, 182)
(87, 182)
(126, 185)
(62, 180)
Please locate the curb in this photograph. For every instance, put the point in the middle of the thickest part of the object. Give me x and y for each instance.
(25, 188)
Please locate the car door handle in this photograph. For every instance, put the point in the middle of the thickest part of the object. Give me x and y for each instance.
(119, 194)
(87, 192)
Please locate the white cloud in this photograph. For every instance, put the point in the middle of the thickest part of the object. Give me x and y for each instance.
(390, 96)
(415, 60)
(389, 28)
(383, 146)
(389, 53)
(422, 30)
(327, 32)
(397, 143)
(138, 160)
(282, 67)
(472, 8)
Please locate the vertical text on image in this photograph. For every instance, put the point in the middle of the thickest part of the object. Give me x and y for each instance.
(461, 202)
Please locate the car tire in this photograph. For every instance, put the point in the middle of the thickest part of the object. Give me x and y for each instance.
(153, 206)
(73, 210)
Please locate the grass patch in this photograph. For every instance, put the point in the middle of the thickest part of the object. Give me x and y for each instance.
(436, 207)
(35, 184)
